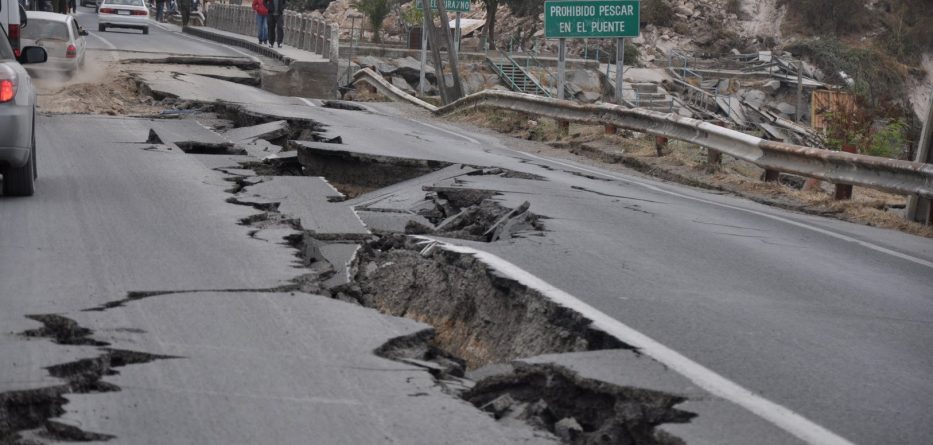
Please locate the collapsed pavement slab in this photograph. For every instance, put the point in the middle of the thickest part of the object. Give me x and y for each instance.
(266, 131)
(272, 368)
(309, 200)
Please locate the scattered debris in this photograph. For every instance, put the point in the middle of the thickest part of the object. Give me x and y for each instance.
(578, 410)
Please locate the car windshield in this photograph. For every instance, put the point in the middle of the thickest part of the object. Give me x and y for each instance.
(126, 2)
(45, 29)
(6, 52)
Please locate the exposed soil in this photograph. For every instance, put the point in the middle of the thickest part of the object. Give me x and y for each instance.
(102, 86)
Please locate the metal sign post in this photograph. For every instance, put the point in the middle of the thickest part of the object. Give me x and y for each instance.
(620, 65)
(457, 33)
(422, 84)
(561, 67)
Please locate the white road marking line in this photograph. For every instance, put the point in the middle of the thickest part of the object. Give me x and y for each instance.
(106, 42)
(779, 415)
(306, 101)
(469, 139)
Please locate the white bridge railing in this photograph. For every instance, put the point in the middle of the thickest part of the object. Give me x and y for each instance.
(304, 32)
(903, 177)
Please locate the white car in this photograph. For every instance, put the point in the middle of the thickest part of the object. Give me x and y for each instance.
(17, 114)
(61, 37)
(123, 14)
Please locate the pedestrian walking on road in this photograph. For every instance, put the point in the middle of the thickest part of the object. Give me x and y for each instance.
(276, 18)
(261, 18)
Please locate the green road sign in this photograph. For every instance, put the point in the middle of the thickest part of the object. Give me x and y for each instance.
(451, 5)
(591, 18)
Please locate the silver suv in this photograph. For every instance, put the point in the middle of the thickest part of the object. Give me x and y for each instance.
(17, 118)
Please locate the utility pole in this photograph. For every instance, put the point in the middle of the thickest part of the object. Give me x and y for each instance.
(620, 68)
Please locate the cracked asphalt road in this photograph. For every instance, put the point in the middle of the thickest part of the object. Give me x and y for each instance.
(821, 316)
(253, 366)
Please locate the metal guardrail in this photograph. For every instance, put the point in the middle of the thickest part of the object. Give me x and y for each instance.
(904, 177)
(304, 32)
(389, 90)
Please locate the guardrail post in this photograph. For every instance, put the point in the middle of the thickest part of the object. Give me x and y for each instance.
(563, 127)
(713, 157)
(660, 145)
(844, 191)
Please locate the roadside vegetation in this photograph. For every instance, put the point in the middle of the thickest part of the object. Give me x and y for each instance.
(873, 50)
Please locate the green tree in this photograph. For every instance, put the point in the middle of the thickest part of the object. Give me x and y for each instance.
(376, 11)
(525, 8)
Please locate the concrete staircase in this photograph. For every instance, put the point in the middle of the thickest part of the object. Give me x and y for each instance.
(649, 96)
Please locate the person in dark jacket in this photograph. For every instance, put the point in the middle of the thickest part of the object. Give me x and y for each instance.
(275, 20)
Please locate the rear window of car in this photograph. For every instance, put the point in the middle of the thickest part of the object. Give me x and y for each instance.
(45, 29)
(6, 51)
(126, 2)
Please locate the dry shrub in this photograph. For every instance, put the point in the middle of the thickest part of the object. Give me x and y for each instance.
(834, 17)
(657, 13)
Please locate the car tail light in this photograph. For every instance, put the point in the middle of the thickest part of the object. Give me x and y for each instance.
(7, 84)
(71, 52)
(106, 10)
(14, 38)
(139, 13)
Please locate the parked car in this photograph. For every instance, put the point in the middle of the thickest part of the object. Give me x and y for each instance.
(17, 116)
(88, 3)
(62, 38)
(123, 14)
(12, 21)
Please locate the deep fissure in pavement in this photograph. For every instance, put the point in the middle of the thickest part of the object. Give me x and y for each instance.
(354, 174)
(32, 409)
(577, 410)
(480, 318)
(474, 215)
(480, 315)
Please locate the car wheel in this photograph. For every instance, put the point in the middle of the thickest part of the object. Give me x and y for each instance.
(101, 28)
(146, 30)
(20, 181)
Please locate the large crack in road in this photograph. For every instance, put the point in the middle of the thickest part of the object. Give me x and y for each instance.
(479, 316)
(28, 414)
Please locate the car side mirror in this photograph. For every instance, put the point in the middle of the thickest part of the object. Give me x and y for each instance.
(33, 54)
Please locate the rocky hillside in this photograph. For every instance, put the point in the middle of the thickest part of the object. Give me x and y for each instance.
(885, 45)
